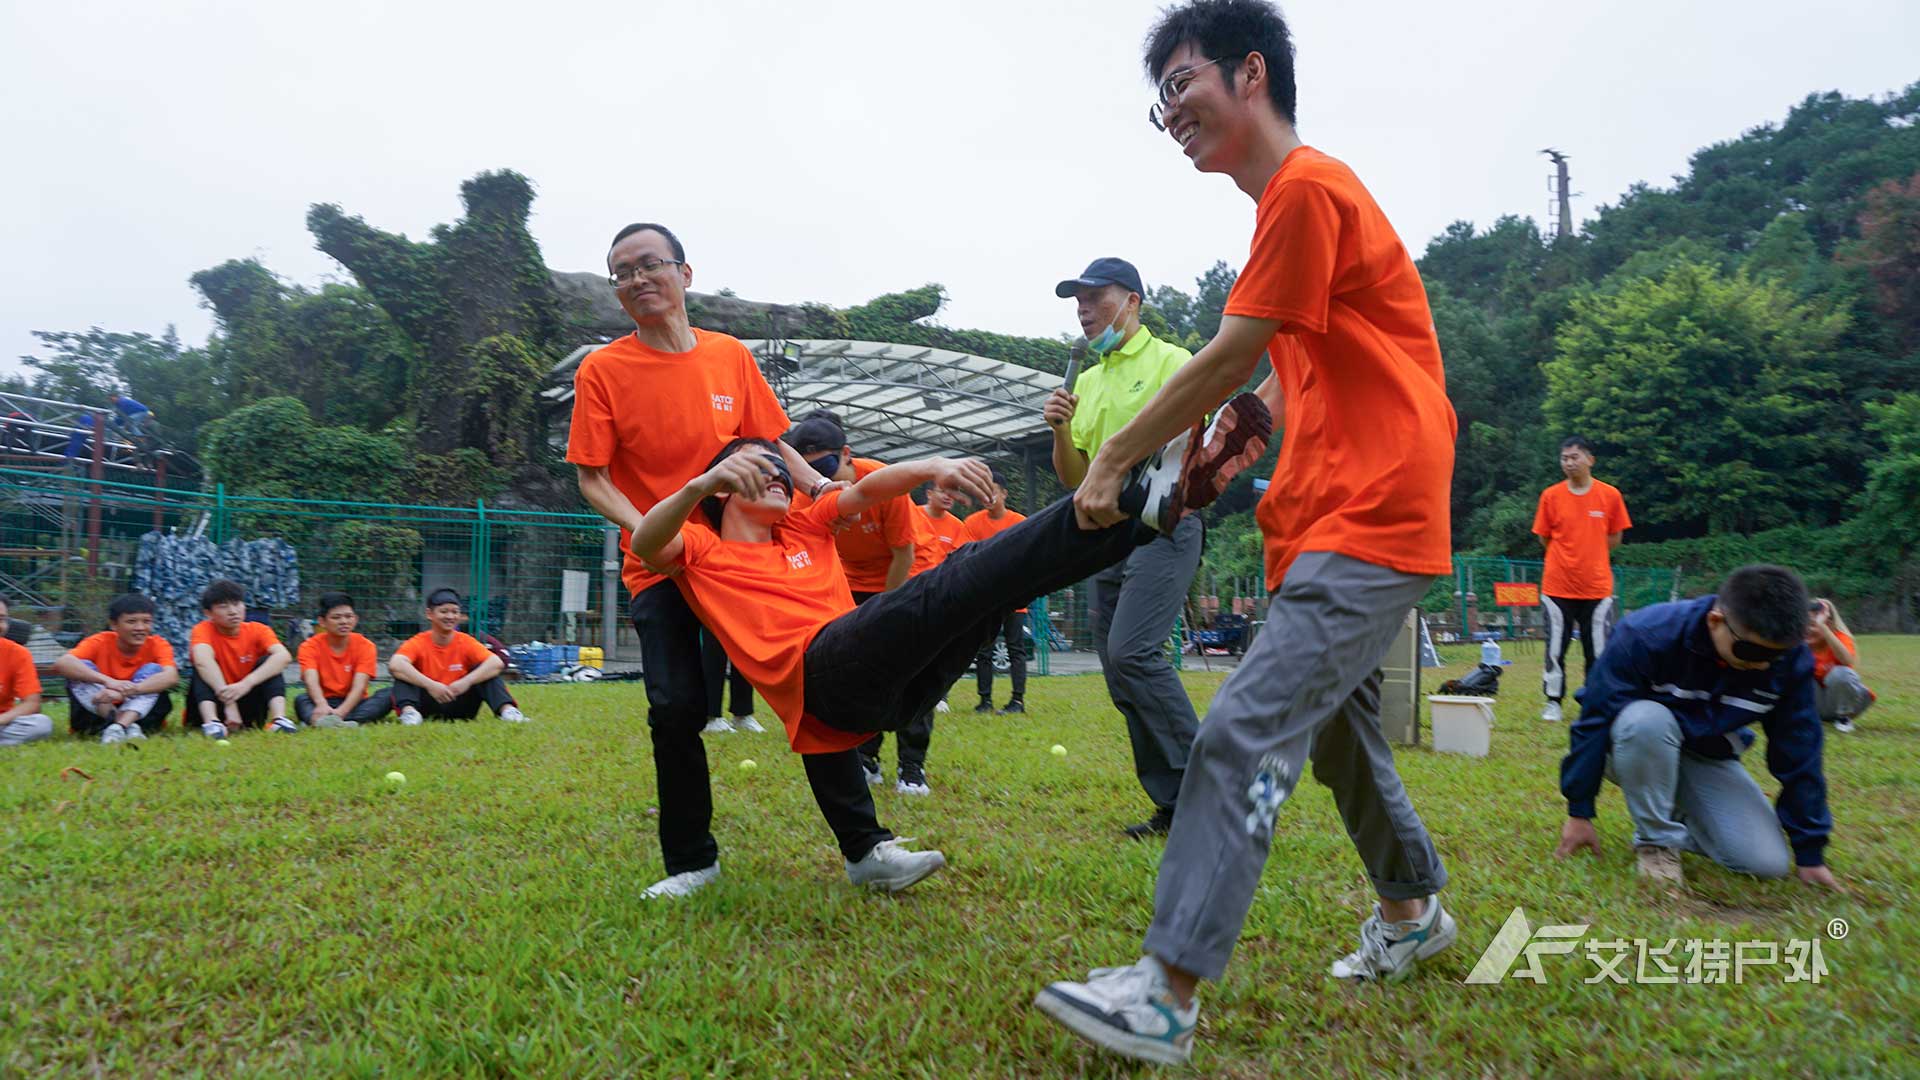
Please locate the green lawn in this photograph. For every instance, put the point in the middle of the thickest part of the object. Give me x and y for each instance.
(274, 908)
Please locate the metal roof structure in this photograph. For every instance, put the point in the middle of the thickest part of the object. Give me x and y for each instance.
(899, 402)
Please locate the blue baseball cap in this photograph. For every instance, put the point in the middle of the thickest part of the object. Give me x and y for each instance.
(1103, 272)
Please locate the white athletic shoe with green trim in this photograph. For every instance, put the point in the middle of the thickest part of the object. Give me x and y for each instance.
(1130, 1011)
(1391, 951)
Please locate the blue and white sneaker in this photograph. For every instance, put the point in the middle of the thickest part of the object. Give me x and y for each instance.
(284, 725)
(1391, 951)
(213, 729)
(1130, 1011)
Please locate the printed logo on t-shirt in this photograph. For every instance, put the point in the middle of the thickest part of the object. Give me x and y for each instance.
(246, 658)
(1138, 385)
(456, 666)
(723, 403)
(1597, 513)
(798, 559)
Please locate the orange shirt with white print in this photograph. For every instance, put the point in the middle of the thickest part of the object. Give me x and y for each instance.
(18, 677)
(1366, 463)
(766, 602)
(103, 649)
(338, 669)
(239, 654)
(948, 531)
(867, 539)
(1579, 563)
(444, 663)
(655, 420)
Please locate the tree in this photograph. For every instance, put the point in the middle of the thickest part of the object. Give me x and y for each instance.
(274, 448)
(1709, 397)
(1888, 251)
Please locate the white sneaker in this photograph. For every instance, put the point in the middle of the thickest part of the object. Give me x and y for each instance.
(1844, 726)
(284, 725)
(874, 776)
(512, 715)
(912, 783)
(717, 726)
(1551, 713)
(748, 723)
(133, 732)
(1130, 1011)
(682, 884)
(111, 734)
(1159, 477)
(214, 729)
(1390, 951)
(890, 867)
(942, 707)
(410, 716)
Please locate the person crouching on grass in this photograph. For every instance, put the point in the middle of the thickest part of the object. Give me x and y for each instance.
(236, 667)
(446, 673)
(767, 583)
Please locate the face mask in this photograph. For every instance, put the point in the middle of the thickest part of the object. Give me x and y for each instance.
(1110, 338)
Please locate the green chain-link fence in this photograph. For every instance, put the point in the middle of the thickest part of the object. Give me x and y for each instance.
(1464, 604)
(68, 544)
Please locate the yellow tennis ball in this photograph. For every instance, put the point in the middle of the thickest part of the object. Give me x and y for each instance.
(748, 765)
(396, 777)
(1058, 750)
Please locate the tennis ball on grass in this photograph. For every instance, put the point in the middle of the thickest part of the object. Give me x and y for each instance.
(396, 777)
(1058, 750)
(222, 742)
(748, 765)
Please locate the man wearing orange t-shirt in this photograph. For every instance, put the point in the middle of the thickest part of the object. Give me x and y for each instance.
(981, 525)
(880, 548)
(336, 666)
(21, 720)
(649, 411)
(445, 673)
(1355, 522)
(236, 667)
(1579, 524)
(948, 530)
(118, 680)
(766, 579)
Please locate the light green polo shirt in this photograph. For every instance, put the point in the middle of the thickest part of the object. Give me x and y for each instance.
(1113, 391)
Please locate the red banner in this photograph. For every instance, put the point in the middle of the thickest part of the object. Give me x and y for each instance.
(1516, 594)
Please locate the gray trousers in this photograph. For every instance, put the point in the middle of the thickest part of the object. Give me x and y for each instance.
(1133, 608)
(1843, 696)
(1680, 800)
(1309, 687)
(25, 729)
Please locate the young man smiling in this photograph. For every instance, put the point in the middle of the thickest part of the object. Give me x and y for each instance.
(650, 411)
(1356, 527)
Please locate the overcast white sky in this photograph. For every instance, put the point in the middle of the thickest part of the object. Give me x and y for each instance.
(824, 151)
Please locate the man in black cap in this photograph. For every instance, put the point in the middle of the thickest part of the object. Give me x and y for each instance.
(1133, 605)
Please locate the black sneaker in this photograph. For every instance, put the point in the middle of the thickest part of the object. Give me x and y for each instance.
(1157, 825)
(985, 706)
(1014, 706)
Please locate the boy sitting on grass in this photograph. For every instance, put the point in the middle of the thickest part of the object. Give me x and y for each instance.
(118, 679)
(236, 667)
(446, 673)
(336, 665)
(21, 720)
(768, 584)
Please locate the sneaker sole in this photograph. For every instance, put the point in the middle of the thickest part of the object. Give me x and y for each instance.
(1235, 440)
(1104, 1036)
(932, 867)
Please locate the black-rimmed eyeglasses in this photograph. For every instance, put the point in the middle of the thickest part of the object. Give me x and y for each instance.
(1172, 89)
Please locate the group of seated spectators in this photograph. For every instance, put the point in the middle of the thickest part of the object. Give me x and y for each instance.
(120, 681)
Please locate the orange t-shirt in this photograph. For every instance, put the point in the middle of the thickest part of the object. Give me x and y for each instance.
(980, 525)
(765, 602)
(18, 679)
(103, 649)
(1366, 462)
(928, 551)
(338, 669)
(237, 655)
(655, 419)
(867, 541)
(1579, 566)
(1823, 659)
(948, 530)
(444, 663)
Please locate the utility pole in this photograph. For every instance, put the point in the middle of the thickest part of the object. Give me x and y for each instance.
(1562, 189)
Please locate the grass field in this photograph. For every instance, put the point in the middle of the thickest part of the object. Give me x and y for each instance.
(274, 908)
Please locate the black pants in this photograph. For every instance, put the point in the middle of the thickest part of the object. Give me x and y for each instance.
(1591, 618)
(252, 707)
(675, 677)
(915, 738)
(1010, 628)
(894, 657)
(377, 705)
(721, 677)
(84, 721)
(493, 693)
